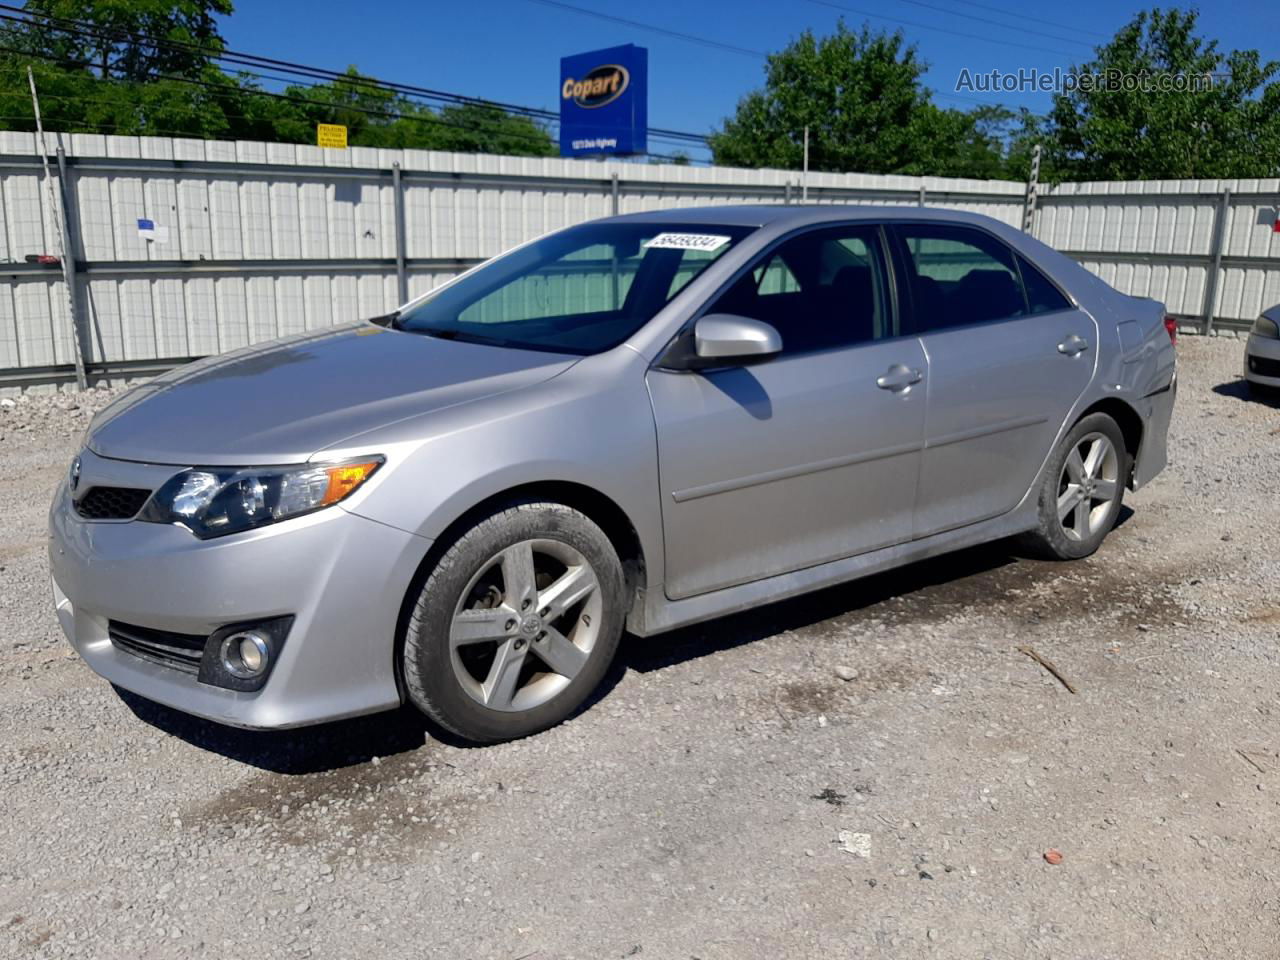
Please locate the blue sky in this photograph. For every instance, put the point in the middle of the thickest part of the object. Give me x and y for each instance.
(509, 50)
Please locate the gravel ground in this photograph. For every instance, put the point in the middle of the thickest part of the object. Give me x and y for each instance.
(698, 809)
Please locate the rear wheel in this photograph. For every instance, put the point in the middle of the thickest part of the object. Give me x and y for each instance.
(516, 625)
(1082, 491)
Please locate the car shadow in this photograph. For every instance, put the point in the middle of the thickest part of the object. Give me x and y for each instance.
(1239, 390)
(973, 575)
(324, 747)
(645, 654)
(741, 386)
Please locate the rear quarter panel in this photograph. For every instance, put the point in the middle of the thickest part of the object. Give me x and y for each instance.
(1137, 362)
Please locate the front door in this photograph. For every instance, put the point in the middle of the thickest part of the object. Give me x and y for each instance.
(1009, 356)
(811, 456)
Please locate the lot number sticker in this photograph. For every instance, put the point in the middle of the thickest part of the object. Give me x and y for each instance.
(687, 241)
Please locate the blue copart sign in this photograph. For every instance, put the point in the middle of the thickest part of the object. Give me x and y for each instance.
(604, 102)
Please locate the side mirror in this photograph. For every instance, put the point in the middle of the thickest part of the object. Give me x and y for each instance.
(726, 338)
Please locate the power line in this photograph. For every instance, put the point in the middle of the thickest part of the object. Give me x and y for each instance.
(706, 41)
(946, 30)
(475, 126)
(963, 98)
(411, 93)
(386, 114)
(85, 28)
(88, 29)
(652, 28)
(760, 54)
(994, 23)
(1036, 19)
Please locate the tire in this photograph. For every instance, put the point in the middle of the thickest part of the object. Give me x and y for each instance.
(1079, 529)
(479, 659)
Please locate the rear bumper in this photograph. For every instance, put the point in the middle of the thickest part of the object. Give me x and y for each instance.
(1262, 361)
(1153, 452)
(341, 576)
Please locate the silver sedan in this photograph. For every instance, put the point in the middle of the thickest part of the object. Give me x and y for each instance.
(639, 423)
(1262, 355)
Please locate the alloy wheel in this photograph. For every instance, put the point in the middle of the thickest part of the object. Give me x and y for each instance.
(525, 625)
(1088, 486)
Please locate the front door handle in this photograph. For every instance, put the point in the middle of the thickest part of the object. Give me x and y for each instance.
(899, 378)
(1073, 345)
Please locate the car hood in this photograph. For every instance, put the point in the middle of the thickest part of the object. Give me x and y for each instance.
(282, 402)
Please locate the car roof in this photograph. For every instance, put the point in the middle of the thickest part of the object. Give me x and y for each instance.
(796, 215)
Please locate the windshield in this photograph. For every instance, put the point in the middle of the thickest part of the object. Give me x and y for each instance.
(582, 290)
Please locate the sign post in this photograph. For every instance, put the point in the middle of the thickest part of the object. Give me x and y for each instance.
(604, 102)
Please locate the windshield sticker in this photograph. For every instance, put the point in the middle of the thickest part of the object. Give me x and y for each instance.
(687, 241)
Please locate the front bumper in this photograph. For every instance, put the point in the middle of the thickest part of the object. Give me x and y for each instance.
(1262, 361)
(342, 577)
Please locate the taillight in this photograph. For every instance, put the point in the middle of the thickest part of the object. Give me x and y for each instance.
(1171, 328)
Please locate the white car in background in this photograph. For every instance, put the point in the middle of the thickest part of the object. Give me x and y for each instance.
(1262, 355)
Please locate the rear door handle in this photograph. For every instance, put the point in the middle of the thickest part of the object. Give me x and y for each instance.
(899, 377)
(1073, 345)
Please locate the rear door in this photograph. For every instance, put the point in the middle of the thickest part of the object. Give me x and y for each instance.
(810, 456)
(1009, 356)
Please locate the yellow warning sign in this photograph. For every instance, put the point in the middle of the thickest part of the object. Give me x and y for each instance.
(331, 135)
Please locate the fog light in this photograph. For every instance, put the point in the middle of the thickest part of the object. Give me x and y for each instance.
(241, 656)
(245, 655)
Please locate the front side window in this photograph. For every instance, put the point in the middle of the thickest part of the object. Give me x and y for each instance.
(580, 291)
(958, 276)
(821, 290)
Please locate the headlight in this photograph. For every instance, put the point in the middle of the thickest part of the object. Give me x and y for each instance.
(1266, 327)
(213, 502)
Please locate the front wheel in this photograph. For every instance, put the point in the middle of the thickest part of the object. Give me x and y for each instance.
(1082, 490)
(516, 624)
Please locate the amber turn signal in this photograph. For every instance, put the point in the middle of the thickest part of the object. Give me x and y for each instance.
(345, 478)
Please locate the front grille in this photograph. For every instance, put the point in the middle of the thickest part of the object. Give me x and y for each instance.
(111, 503)
(1264, 366)
(182, 651)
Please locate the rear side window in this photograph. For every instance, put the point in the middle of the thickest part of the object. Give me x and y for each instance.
(822, 290)
(1042, 295)
(958, 276)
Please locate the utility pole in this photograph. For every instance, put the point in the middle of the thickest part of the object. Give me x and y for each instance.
(58, 217)
(804, 181)
(1033, 183)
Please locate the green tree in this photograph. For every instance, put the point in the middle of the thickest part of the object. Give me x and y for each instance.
(376, 116)
(1229, 127)
(121, 44)
(147, 67)
(860, 94)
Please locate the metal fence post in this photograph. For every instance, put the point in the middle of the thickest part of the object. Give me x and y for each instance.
(921, 198)
(786, 196)
(402, 273)
(613, 187)
(1215, 269)
(71, 250)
